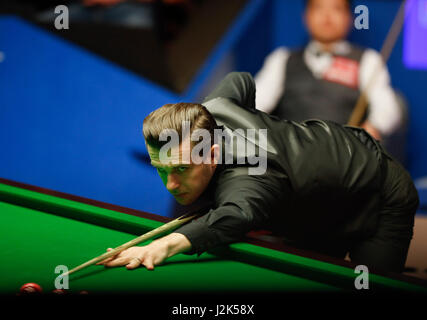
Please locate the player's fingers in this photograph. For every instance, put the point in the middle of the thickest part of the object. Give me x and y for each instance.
(134, 263)
(117, 262)
(108, 259)
(148, 263)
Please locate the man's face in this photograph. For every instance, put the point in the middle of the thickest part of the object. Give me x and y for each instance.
(328, 20)
(185, 181)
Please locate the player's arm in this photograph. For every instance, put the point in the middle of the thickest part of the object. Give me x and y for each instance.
(236, 86)
(246, 202)
(226, 224)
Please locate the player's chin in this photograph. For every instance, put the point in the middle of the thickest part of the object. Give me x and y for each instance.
(329, 37)
(185, 201)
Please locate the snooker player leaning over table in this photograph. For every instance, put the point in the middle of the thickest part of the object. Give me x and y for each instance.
(327, 187)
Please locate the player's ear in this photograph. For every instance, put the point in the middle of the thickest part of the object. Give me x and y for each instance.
(215, 154)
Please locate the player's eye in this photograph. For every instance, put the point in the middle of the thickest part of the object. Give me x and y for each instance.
(181, 169)
(161, 171)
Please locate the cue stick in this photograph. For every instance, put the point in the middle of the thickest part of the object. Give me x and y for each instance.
(362, 102)
(146, 236)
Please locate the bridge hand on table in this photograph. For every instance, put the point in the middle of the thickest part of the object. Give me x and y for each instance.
(150, 255)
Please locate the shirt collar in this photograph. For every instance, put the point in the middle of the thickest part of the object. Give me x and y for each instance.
(341, 48)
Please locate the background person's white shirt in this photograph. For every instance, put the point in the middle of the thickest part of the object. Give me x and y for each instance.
(384, 113)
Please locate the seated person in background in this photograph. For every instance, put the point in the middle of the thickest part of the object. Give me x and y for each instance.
(325, 79)
(323, 186)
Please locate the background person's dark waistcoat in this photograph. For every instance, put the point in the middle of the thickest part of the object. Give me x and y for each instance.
(331, 97)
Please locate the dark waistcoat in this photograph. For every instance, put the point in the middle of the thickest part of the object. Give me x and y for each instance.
(329, 98)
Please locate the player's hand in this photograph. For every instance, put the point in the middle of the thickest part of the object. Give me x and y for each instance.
(371, 130)
(150, 255)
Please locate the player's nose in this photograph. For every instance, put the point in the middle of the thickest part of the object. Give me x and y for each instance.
(173, 182)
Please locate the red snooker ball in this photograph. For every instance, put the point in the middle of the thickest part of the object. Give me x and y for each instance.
(30, 288)
(83, 292)
(59, 291)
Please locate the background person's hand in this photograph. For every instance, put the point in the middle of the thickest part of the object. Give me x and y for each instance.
(371, 130)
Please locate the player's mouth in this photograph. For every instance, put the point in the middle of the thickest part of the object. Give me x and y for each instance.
(180, 195)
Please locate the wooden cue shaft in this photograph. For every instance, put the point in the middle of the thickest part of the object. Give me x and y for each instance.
(362, 103)
(146, 236)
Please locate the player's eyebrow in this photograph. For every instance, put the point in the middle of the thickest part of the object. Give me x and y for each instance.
(160, 166)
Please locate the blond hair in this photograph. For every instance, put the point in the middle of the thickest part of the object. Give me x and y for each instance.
(172, 116)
